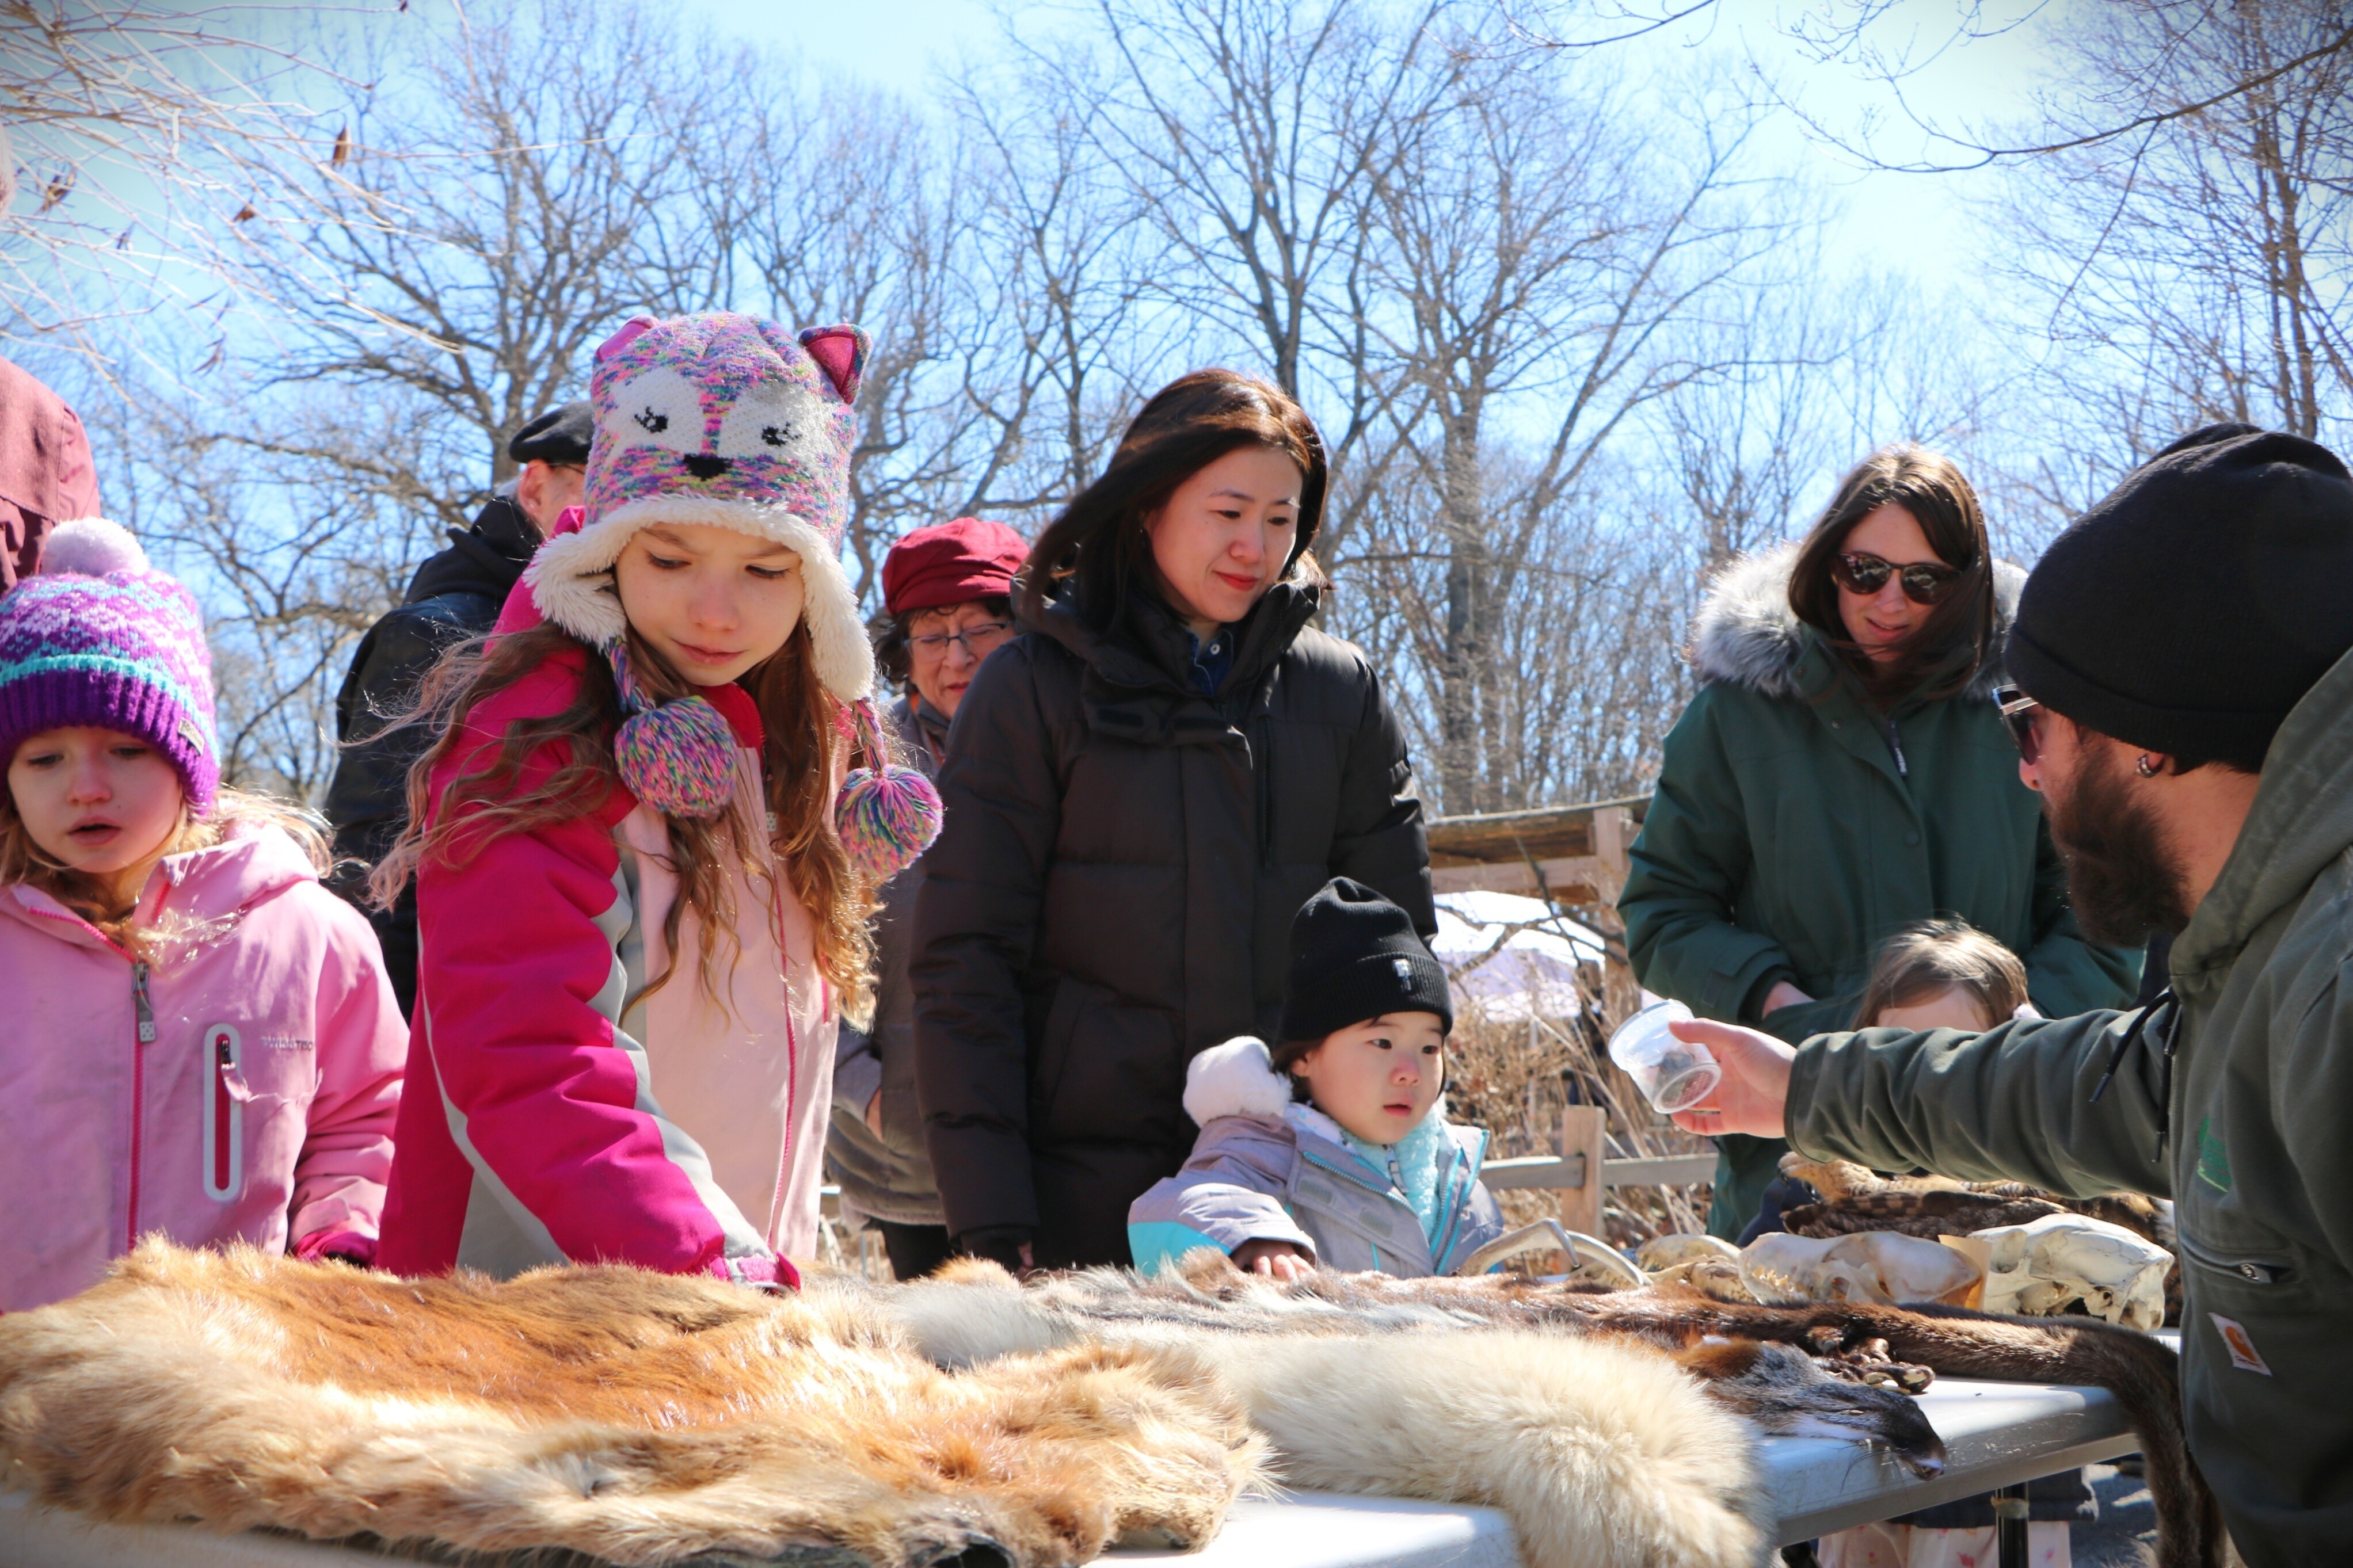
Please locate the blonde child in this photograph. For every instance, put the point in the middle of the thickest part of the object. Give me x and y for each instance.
(1943, 975)
(639, 923)
(201, 1041)
(1333, 1149)
(1947, 975)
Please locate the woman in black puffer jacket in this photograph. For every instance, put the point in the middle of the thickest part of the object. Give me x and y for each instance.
(1141, 790)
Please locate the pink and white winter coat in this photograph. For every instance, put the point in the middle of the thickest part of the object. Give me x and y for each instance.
(557, 1113)
(239, 1084)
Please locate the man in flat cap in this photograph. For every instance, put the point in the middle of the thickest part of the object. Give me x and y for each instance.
(455, 594)
(2184, 660)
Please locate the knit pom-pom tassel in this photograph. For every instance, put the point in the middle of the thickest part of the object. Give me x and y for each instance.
(678, 758)
(885, 818)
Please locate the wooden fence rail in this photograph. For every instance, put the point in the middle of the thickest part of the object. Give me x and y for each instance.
(1583, 1145)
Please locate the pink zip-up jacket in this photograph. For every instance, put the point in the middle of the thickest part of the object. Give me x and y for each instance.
(239, 1085)
(555, 1111)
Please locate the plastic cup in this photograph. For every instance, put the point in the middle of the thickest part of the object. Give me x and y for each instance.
(1673, 1075)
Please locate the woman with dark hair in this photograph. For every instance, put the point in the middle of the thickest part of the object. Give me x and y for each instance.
(1843, 773)
(1142, 788)
(947, 605)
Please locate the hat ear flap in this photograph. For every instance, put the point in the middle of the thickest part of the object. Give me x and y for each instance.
(840, 352)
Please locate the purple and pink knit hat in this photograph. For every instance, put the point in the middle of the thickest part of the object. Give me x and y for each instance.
(98, 638)
(729, 421)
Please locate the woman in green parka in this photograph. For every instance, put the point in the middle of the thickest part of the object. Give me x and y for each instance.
(1843, 773)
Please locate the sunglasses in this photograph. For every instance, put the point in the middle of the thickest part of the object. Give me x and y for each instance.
(1924, 581)
(2024, 717)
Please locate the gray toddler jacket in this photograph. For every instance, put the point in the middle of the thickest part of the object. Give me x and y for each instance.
(1258, 1173)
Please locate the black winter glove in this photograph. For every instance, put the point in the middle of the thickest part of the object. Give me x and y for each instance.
(1006, 1246)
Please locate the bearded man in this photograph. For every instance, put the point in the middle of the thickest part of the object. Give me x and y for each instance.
(2185, 706)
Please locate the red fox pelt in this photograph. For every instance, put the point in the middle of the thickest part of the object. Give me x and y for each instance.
(647, 1420)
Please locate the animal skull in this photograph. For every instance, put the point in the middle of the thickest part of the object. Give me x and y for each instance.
(2048, 1265)
(1879, 1266)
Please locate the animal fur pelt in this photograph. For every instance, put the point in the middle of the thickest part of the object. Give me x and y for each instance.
(635, 1417)
(971, 1311)
(643, 1419)
(647, 1420)
(1853, 1197)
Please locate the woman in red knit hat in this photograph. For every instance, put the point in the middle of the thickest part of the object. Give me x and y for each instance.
(948, 602)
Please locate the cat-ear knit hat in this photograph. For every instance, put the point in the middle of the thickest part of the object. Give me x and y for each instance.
(726, 421)
(97, 639)
(730, 421)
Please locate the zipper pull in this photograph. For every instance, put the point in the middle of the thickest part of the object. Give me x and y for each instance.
(1895, 744)
(139, 1003)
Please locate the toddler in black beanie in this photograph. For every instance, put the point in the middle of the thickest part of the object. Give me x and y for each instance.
(1332, 1150)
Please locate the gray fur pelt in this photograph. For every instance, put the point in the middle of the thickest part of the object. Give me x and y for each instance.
(1745, 632)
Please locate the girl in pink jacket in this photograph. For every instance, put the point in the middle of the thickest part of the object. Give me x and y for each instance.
(200, 1040)
(639, 921)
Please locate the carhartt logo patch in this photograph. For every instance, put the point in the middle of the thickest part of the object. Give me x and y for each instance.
(2214, 1160)
(1404, 967)
(2243, 1355)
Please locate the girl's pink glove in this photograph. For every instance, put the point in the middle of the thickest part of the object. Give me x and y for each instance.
(351, 1246)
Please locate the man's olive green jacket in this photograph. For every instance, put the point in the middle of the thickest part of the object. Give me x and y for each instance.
(2249, 1129)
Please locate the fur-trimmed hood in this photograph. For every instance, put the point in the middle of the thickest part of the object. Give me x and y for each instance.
(1747, 634)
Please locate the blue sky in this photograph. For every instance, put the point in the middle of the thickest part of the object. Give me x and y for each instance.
(1921, 223)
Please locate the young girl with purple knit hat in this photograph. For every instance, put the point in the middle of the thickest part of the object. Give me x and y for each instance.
(201, 1041)
(642, 878)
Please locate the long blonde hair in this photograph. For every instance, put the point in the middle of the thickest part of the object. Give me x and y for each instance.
(24, 861)
(479, 807)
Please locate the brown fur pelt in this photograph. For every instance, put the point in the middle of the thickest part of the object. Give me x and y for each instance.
(634, 1417)
(1855, 1198)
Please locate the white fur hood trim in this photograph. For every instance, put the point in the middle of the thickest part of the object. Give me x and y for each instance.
(1745, 633)
(1237, 1078)
(570, 580)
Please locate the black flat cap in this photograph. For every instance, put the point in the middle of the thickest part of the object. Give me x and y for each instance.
(558, 436)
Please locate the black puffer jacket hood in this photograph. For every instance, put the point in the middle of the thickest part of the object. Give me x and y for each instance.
(1112, 893)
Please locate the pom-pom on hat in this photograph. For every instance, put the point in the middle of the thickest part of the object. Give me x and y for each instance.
(950, 564)
(729, 421)
(98, 638)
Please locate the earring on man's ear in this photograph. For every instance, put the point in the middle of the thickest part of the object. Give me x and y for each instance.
(2147, 766)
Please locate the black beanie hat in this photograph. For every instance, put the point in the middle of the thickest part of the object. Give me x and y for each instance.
(558, 436)
(1354, 956)
(2198, 602)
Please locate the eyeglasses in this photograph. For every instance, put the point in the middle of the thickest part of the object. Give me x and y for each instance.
(978, 640)
(2024, 717)
(1924, 581)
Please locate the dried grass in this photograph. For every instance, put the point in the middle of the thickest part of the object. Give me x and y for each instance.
(1514, 1077)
